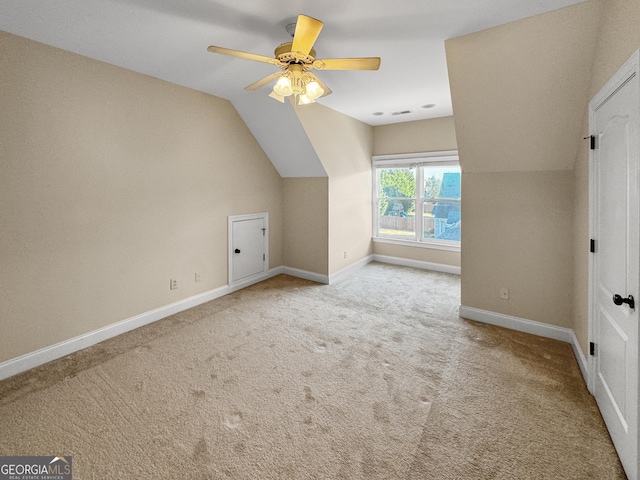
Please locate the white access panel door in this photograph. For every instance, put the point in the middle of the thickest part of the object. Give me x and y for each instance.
(248, 247)
(615, 123)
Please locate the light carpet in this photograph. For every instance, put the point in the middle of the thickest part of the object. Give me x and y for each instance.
(375, 377)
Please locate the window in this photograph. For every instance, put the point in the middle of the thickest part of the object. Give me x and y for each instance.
(417, 199)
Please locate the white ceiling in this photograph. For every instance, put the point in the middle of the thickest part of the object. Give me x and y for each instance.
(168, 39)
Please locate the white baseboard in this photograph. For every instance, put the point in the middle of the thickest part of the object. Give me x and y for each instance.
(44, 355)
(405, 262)
(254, 279)
(34, 359)
(348, 271)
(529, 326)
(327, 279)
(30, 360)
(307, 275)
(583, 363)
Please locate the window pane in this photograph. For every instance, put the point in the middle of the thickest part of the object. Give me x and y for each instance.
(397, 182)
(441, 220)
(397, 218)
(419, 202)
(441, 207)
(441, 182)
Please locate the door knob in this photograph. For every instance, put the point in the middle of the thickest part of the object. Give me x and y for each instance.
(618, 300)
(237, 250)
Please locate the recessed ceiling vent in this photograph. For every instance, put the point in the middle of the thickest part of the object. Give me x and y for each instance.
(403, 112)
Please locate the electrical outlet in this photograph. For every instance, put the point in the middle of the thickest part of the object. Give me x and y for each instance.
(504, 293)
(173, 284)
(198, 277)
(345, 254)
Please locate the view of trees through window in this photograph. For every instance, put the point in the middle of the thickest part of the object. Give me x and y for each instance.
(397, 186)
(436, 204)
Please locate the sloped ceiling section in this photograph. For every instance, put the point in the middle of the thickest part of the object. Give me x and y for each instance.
(518, 90)
(167, 39)
(280, 134)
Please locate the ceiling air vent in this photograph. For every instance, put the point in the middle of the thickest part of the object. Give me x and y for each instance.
(403, 112)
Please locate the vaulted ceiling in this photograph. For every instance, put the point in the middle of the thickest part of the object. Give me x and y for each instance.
(168, 39)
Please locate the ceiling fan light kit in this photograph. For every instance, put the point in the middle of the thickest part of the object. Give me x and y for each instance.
(296, 58)
(296, 81)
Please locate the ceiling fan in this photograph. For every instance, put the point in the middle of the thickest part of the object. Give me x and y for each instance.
(296, 59)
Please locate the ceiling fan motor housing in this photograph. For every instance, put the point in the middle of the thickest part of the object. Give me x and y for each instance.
(296, 59)
(285, 55)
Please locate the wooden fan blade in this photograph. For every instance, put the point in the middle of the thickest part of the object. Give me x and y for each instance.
(262, 82)
(245, 55)
(367, 63)
(307, 31)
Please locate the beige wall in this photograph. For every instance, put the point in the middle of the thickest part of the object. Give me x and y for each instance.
(344, 146)
(518, 97)
(431, 135)
(111, 183)
(521, 235)
(619, 37)
(306, 224)
(518, 89)
(420, 254)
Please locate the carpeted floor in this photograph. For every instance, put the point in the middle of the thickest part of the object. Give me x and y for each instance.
(375, 377)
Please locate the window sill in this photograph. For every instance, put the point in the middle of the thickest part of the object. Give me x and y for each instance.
(433, 245)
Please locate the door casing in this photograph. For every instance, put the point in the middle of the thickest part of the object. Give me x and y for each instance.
(630, 72)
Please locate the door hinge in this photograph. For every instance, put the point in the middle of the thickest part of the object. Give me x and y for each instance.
(592, 246)
(592, 141)
(264, 257)
(592, 348)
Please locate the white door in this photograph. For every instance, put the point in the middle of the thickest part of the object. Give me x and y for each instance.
(615, 123)
(248, 247)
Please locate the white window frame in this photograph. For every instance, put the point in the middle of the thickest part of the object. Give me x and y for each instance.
(417, 160)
